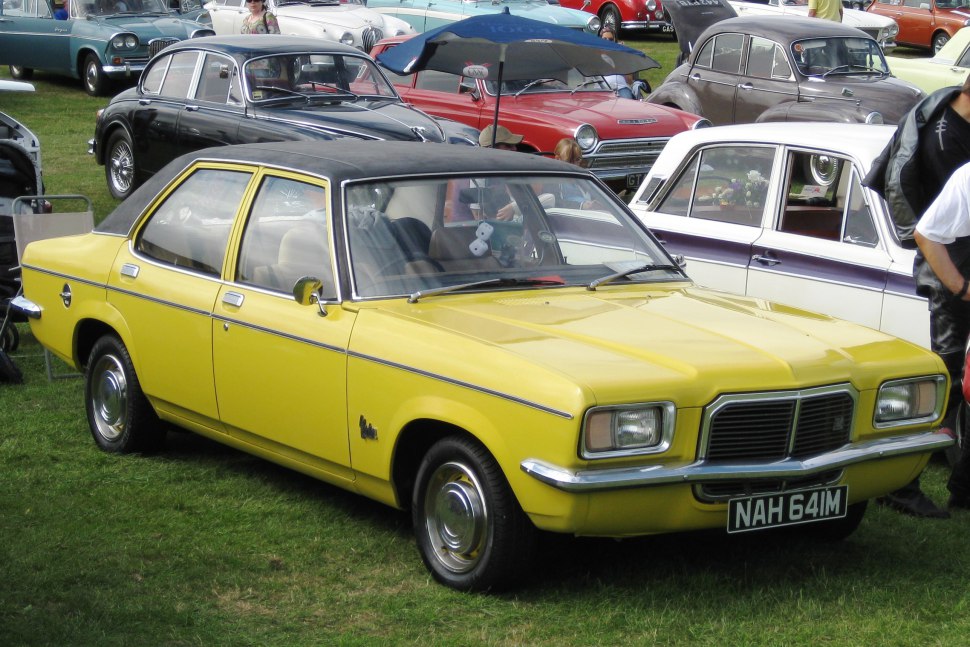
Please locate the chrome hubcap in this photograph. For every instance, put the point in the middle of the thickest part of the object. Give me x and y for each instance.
(109, 397)
(456, 517)
(122, 167)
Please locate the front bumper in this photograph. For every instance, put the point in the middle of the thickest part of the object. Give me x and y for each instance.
(597, 480)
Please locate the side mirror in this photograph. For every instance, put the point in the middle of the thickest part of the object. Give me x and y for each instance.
(307, 291)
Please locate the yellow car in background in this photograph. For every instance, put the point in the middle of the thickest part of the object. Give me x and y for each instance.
(487, 338)
(949, 66)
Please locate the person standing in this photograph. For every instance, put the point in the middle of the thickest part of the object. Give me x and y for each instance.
(63, 13)
(620, 83)
(932, 140)
(826, 9)
(260, 20)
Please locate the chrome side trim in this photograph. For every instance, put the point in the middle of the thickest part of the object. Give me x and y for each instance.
(441, 378)
(26, 307)
(703, 472)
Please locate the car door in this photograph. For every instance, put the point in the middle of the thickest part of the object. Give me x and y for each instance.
(823, 252)
(214, 110)
(280, 367)
(713, 211)
(227, 16)
(767, 80)
(165, 283)
(715, 75)
(449, 96)
(31, 38)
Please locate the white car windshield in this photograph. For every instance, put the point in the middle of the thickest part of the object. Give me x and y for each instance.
(426, 237)
(310, 77)
(112, 7)
(838, 56)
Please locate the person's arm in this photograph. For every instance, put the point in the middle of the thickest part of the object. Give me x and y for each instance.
(942, 265)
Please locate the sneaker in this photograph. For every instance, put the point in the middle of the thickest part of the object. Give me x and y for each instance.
(915, 504)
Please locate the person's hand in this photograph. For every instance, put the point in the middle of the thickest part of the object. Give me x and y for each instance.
(506, 213)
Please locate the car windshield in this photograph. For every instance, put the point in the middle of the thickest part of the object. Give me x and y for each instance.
(422, 238)
(575, 82)
(838, 56)
(112, 7)
(315, 77)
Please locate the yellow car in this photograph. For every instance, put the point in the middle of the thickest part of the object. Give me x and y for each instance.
(485, 337)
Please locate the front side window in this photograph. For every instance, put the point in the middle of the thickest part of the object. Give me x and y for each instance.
(767, 60)
(190, 228)
(216, 79)
(726, 184)
(178, 77)
(306, 77)
(151, 80)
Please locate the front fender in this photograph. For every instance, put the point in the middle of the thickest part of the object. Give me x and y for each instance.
(677, 95)
(458, 133)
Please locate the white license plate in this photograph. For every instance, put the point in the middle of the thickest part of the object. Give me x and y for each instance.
(667, 28)
(787, 509)
(633, 180)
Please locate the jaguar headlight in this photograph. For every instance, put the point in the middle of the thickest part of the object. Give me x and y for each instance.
(586, 137)
(911, 401)
(651, 5)
(633, 429)
(874, 117)
(347, 38)
(593, 25)
(892, 30)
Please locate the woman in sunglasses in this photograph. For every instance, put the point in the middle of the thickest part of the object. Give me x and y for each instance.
(259, 20)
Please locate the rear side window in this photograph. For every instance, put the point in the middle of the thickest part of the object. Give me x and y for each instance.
(722, 53)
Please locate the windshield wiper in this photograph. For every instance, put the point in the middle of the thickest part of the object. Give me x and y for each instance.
(286, 91)
(649, 267)
(532, 83)
(585, 83)
(862, 69)
(505, 282)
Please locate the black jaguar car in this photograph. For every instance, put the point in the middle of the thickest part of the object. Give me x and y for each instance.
(244, 89)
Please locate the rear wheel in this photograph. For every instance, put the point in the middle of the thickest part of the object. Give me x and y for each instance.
(939, 40)
(471, 532)
(119, 165)
(20, 72)
(121, 419)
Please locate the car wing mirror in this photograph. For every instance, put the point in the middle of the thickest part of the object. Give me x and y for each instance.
(309, 290)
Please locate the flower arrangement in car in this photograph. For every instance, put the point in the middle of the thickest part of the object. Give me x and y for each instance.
(749, 192)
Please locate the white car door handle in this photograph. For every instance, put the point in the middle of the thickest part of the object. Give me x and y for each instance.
(233, 299)
(765, 260)
(746, 86)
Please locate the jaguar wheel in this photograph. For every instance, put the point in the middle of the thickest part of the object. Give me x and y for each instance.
(610, 17)
(122, 420)
(119, 165)
(471, 532)
(21, 73)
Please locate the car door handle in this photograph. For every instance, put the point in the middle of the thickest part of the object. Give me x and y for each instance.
(191, 108)
(746, 86)
(695, 77)
(233, 299)
(765, 260)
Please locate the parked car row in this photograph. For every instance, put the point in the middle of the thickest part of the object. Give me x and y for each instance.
(925, 23)
(880, 28)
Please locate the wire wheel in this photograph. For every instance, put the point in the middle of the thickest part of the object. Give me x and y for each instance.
(120, 166)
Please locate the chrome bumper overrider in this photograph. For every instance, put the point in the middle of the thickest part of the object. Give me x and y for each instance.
(701, 471)
(26, 307)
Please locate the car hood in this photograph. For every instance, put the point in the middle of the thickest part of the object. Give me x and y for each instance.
(890, 96)
(391, 120)
(613, 343)
(151, 25)
(347, 16)
(601, 109)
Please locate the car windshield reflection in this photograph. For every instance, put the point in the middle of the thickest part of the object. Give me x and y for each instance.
(839, 56)
(575, 81)
(315, 76)
(113, 7)
(419, 237)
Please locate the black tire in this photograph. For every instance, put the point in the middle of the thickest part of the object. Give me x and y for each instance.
(939, 40)
(471, 532)
(121, 419)
(120, 170)
(610, 17)
(92, 74)
(21, 73)
(835, 529)
(10, 339)
(953, 452)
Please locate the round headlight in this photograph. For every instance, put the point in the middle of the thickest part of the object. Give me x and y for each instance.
(892, 30)
(593, 25)
(347, 38)
(586, 137)
(874, 118)
(651, 5)
(131, 41)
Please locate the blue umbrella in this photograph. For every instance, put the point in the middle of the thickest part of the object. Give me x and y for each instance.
(503, 46)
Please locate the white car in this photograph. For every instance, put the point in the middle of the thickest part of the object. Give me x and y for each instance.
(20, 168)
(950, 65)
(778, 211)
(347, 22)
(880, 28)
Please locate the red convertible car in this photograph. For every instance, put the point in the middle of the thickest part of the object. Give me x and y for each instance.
(628, 15)
(619, 138)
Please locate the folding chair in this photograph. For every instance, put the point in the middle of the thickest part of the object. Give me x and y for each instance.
(29, 226)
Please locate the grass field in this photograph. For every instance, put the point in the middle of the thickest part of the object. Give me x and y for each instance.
(201, 545)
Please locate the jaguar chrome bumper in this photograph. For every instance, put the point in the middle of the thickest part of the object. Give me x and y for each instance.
(26, 307)
(704, 472)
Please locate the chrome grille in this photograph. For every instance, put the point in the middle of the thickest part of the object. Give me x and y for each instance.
(370, 37)
(770, 427)
(629, 155)
(158, 44)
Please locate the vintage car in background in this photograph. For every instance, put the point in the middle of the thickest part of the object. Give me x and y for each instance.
(626, 15)
(191, 10)
(880, 28)
(949, 66)
(786, 68)
(350, 23)
(619, 138)
(240, 89)
(925, 23)
(98, 44)
(425, 15)
(778, 211)
(553, 371)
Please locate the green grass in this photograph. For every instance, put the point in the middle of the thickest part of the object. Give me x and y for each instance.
(201, 545)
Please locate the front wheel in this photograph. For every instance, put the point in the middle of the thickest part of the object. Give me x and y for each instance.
(119, 165)
(939, 40)
(610, 17)
(121, 419)
(471, 532)
(21, 73)
(95, 82)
